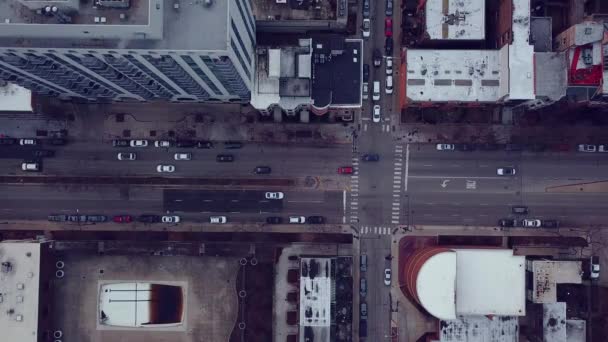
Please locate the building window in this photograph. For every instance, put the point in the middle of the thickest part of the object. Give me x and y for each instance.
(240, 58)
(238, 37)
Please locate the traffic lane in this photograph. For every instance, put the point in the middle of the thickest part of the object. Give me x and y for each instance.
(204, 201)
(463, 185)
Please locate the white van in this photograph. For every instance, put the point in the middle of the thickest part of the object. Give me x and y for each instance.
(376, 92)
(389, 84)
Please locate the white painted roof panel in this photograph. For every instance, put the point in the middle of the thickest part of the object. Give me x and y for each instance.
(459, 20)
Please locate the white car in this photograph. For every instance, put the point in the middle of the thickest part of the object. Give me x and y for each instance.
(297, 219)
(389, 66)
(587, 148)
(446, 147)
(389, 85)
(165, 168)
(506, 171)
(126, 156)
(139, 143)
(602, 148)
(183, 156)
(387, 276)
(531, 223)
(162, 143)
(274, 195)
(30, 166)
(594, 266)
(28, 142)
(217, 219)
(376, 114)
(365, 91)
(170, 219)
(367, 26)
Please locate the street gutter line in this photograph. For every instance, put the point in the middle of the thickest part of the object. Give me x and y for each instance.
(407, 166)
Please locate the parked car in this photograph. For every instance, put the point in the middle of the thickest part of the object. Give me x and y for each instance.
(505, 171)
(262, 170)
(58, 218)
(233, 144)
(465, 147)
(274, 220)
(297, 219)
(389, 8)
(223, 158)
(365, 91)
(163, 143)
(366, 28)
(126, 156)
(77, 218)
(345, 170)
(594, 267)
(218, 219)
(366, 8)
(376, 114)
(365, 72)
(531, 223)
(120, 143)
(388, 67)
(185, 143)
(363, 310)
(162, 168)
(388, 89)
(204, 144)
(519, 210)
(31, 166)
(370, 157)
(97, 218)
(58, 141)
(387, 276)
(363, 328)
(446, 147)
(8, 141)
(316, 219)
(170, 219)
(44, 153)
(388, 27)
(183, 156)
(139, 143)
(388, 46)
(28, 141)
(122, 218)
(377, 56)
(550, 224)
(363, 287)
(514, 147)
(587, 148)
(363, 262)
(507, 222)
(147, 218)
(274, 195)
(602, 148)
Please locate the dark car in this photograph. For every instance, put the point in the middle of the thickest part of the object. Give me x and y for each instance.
(550, 224)
(224, 158)
(233, 144)
(147, 218)
(8, 141)
(262, 170)
(58, 141)
(519, 210)
(388, 46)
(77, 218)
(465, 147)
(204, 144)
(363, 310)
(315, 219)
(514, 147)
(97, 218)
(489, 147)
(377, 55)
(366, 8)
(507, 222)
(43, 153)
(363, 328)
(121, 143)
(365, 72)
(536, 147)
(185, 143)
(274, 220)
(370, 157)
(58, 218)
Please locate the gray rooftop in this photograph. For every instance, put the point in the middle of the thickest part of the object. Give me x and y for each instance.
(146, 24)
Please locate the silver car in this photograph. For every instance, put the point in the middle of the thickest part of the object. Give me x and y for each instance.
(126, 156)
(183, 156)
(139, 143)
(165, 168)
(445, 147)
(532, 223)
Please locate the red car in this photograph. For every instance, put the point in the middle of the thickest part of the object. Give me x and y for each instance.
(123, 218)
(345, 170)
(388, 27)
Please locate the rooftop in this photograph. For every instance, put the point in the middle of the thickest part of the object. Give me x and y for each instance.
(14, 98)
(145, 24)
(19, 290)
(294, 10)
(479, 329)
(455, 19)
(521, 54)
(554, 322)
(546, 274)
(315, 298)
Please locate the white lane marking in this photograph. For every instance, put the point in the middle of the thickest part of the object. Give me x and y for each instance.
(457, 177)
(344, 205)
(427, 165)
(305, 201)
(207, 200)
(407, 166)
(483, 165)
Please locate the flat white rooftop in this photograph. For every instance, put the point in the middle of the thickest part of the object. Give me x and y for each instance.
(19, 290)
(315, 298)
(521, 54)
(453, 75)
(546, 274)
(455, 19)
(14, 98)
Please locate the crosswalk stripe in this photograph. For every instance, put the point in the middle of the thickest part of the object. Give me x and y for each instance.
(395, 222)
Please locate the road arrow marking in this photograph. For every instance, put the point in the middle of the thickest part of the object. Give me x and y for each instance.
(444, 183)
